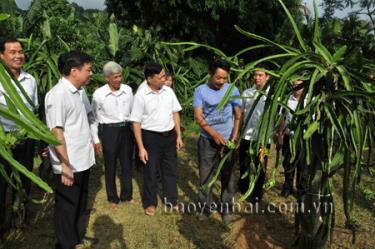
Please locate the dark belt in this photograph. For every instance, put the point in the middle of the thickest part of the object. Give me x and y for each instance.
(120, 124)
(163, 133)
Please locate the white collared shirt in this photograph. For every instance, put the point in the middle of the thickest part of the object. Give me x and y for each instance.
(85, 100)
(154, 110)
(65, 108)
(292, 104)
(142, 85)
(28, 83)
(250, 95)
(110, 107)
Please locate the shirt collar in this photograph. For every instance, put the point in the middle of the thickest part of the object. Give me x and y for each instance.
(292, 97)
(149, 90)
(69, 85)
(23, 75)
(107, 90)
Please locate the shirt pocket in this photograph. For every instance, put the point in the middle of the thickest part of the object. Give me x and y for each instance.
(125, 106)
(152, 104)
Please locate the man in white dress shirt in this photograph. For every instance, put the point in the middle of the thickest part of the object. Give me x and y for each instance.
(71, 161)
(13, 57)
(251, 133)
(111, 107)
(156, 125)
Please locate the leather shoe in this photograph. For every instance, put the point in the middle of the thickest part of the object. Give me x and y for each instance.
(90, 240)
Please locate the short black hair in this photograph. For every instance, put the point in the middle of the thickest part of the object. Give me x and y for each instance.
(152, 68)
(72, 59)
(218, 63)
(7, 39)
(263, 66)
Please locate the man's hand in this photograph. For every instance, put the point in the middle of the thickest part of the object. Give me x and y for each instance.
(219, 139)
(98, 149)
(179, 143)
(44, 153)
(143, 155)
(67, 176)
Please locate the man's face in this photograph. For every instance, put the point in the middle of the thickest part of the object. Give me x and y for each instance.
(82, 75)
(295, 87)
(114, 80)
(13, 55)
(157, 80)
(220, 77)
(260, 78)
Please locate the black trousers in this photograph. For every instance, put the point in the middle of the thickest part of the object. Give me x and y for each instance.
(161, 149)
(70, 218)
(208, 159)
(245, 161)
(24, 154)
(118, 144)
(290, 169)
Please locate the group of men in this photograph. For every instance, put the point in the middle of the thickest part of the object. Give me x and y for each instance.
(151, 118)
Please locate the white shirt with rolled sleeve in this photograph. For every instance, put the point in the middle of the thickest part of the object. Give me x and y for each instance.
(28, 83)
(292, 104)
(154, 110)
(250, 95)
(110, 107)
(65, 109)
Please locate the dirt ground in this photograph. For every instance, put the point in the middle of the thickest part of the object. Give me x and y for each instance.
(128, 227)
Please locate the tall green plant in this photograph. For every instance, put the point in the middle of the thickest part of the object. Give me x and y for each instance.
(334, 126)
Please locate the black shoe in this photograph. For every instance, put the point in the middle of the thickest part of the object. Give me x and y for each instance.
(286, 192)
(90, 240)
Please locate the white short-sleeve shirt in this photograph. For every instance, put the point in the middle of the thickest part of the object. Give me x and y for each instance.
(85, 100)
(292, 104)
(250, 95)
(154, 110)
(142, 85)
(28, 83)
(65, 109)
(110, 107)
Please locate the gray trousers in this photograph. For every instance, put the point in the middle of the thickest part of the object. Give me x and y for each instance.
(209, 159)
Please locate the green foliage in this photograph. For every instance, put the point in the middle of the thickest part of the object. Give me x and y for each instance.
(367, 193)
(206, 22)
(8, 6)
(4, 17)
(113, 38)
(334, 125)
(331, 55)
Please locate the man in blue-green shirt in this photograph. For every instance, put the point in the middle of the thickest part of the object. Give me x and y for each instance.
(218, 126)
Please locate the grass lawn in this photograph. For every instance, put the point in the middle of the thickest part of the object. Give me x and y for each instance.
(128, 227)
